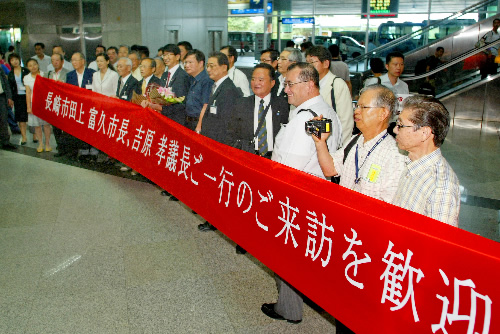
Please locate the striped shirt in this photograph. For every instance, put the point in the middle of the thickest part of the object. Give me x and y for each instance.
(430, 187)
(379, 174)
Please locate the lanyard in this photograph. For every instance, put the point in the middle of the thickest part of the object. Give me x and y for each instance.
(369, 152)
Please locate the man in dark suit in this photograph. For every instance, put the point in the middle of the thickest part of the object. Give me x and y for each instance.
(148, 68)
(245, 119)
(214, 117)
(257, 119)
(5, 100)
(81, 77)
(127, 84)
(178, 81)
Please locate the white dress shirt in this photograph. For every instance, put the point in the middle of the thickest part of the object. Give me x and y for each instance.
(295, 148)
(93, 65)
(240, 80)
(343, 102)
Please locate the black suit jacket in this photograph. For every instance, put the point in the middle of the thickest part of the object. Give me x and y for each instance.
(126, 92)
(12, 79)
(241, 130)
(5, 85)
(179, 83)
(72, 77)
(214, 125)
(153, 80)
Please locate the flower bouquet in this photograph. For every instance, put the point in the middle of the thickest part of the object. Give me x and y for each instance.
(164, 96)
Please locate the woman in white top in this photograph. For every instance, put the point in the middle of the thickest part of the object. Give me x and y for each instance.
(105, 81)
(29, 82)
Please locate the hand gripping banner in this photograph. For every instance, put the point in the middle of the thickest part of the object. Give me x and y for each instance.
(376, 267)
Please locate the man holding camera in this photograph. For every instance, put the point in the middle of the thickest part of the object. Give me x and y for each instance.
(370, 163)
(293, 147)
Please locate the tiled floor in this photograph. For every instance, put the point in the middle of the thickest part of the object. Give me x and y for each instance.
(85, 250)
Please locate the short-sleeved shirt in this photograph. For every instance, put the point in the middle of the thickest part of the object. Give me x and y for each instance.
(295, 148)
(340, 69)
(379, 175)
(199, 94)
(430, 187)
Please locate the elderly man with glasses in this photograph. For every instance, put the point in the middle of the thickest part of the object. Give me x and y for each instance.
(428, 186)
(370, 163)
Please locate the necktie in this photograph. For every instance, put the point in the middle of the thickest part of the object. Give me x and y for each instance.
(214, 87)
(120, 87)
(262, 134)
(168, 78)
(144, 86)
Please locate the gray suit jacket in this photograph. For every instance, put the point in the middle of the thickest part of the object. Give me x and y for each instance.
(62, 75)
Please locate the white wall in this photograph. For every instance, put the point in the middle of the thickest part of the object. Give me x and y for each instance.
(121, 22)
(194, 18)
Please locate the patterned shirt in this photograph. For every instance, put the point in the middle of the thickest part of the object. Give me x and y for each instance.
(379, 174)
(430, 187)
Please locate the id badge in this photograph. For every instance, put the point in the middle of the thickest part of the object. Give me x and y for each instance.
(373, 173)
(124, 97)
(88, 87)
(213, 110)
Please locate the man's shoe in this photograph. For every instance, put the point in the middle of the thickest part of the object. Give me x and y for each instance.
(173, 198)
(240, 250)
(206, 227)
(165, 193)
(268, 309)
(9, 146)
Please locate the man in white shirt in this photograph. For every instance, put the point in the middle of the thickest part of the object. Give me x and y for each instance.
(237, 76)
(41, 57)
(333, 89)
(338, 67)
(293, 147)
(395, 65)
(65, 64)
(98, 50)
(489, 66)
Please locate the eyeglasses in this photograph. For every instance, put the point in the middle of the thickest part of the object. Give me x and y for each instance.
(363, 107)
(290, 84)
(313, 61)
(267, 61)
(400, 126)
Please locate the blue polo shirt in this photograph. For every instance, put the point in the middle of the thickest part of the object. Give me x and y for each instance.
(198, 94)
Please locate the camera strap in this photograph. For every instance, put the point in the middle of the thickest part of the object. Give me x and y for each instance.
(312, 112)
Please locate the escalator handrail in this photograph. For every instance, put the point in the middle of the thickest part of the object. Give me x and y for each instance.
(402, 39)
(454, 61)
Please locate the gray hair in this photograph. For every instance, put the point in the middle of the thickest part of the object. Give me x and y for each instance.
(385, 98)
(128, 62)
(295, 55)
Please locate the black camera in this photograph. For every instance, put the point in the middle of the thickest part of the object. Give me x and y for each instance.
(316, 128)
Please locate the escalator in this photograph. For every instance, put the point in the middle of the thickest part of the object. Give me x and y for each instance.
(457, 34)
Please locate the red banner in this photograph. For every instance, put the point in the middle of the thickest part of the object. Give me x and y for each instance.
(376, 267)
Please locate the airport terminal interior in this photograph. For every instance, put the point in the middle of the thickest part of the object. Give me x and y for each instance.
(88, 248)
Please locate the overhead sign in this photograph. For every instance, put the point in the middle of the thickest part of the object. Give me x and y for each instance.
(297, 20)
(252, 10)
(380, 8)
